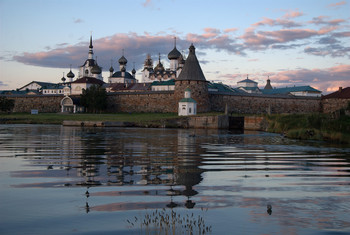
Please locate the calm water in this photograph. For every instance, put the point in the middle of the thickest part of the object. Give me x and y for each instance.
(68, 180)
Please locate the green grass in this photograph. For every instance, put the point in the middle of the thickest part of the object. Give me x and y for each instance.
(311, 126)
(58, 118)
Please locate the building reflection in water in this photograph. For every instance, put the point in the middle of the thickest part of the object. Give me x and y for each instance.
(119, 158)
(121, 169)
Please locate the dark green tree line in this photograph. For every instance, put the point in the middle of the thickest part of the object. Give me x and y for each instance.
(6, 105)
(94, 99)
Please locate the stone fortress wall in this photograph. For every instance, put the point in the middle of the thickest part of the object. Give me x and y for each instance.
(165, 101)
(331, 105)
(264, 104)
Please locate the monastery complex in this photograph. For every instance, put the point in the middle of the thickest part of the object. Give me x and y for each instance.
(182, 88)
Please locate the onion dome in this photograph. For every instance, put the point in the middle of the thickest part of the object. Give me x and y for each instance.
(96, 69)
(159, 68)
(70, 74)
(133, 71)
(122, 60)
(111, 69)
(174, 54)
(63, 79)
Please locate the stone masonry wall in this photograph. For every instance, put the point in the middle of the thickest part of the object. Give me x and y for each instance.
(331, 105)
(199, 92)
(254, 104)
(44, 104)
(162, 102)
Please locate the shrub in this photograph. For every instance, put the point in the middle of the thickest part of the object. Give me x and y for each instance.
(6, 105)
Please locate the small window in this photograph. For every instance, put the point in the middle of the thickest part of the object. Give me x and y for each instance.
(190, 110)
(86, 71)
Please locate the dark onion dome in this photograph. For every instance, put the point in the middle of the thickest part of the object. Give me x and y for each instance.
(111, 69)
(133, 71)
(96, 69)
(159, 68)
(70, 74)
(122, 60)
(63, 79)
(174, 54)
(192, 70)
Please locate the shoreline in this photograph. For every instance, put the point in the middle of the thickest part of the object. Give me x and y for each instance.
(319, 127)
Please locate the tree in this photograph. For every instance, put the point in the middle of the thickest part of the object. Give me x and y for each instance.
(94, 99)
(6, 105)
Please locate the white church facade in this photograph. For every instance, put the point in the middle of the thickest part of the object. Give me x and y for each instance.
(187, 105)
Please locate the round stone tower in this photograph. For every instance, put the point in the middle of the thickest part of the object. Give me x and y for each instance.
(192, 77)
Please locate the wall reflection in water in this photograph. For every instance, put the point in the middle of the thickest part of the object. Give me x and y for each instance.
(127, 169)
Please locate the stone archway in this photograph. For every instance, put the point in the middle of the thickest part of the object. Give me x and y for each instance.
(67, 105)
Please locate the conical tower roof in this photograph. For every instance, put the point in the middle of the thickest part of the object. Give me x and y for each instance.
(268, 85)
(192, 70)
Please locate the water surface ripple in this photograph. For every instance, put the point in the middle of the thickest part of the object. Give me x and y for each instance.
(74, 180)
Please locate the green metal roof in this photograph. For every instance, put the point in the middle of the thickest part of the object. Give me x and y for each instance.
(170, 82)
(188, 100)
(288, 90)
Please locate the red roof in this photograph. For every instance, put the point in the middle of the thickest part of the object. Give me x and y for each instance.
(342, 93)
(89, 80)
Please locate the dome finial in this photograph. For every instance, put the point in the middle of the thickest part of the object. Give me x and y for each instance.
(91, 53)
(174, 42)
(91, 40)
(111, 69)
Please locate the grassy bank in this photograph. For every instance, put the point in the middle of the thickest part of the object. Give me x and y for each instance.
(311, 126)
(58, 118)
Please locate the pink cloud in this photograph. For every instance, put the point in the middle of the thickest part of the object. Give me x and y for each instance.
(285, 23)
(230, 30)
(262, 39)
(292, 14)
(338, 4)
(325, 80)
(322, 20)
(211, 32)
